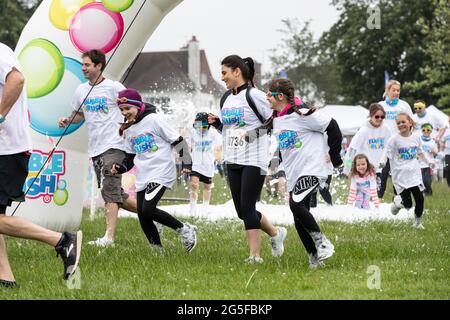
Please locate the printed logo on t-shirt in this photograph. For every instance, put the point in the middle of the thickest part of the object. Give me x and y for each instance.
(407, 153)
(233, 116)
(97, 104)
(288, 139)
(203, 146)
(377, 143)
(144, 143)
(426, 148)
(391, 114)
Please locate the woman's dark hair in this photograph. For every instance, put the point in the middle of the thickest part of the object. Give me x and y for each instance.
(374, 108)
(286, 87)
(246, 65)
(96, 57)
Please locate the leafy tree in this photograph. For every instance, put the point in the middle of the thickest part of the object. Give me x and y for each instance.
(14, 14)
(436, 74)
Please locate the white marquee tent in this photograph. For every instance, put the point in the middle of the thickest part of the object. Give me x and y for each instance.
(349, 118)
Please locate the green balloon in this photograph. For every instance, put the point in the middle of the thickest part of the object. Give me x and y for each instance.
(241, 124)
(60, 197)
(42, 66)
(117, 5)
(298, 144)
(155, 148)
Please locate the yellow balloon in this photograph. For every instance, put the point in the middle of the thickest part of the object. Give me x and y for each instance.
(62, 11)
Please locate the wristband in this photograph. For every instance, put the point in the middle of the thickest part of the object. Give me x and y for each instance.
(2, 119)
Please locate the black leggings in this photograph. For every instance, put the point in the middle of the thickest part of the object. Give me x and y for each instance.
(148, 212)
(245, 185)
(418, 199)
(381, 188)
(304, 222)
(324, 192)
(447, 168)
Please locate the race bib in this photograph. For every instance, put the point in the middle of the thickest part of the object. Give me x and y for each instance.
(236, 140)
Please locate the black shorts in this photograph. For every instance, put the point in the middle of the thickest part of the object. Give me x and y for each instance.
(13, 173)
(202, 178)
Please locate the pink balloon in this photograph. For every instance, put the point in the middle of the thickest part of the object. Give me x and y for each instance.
(95, 27)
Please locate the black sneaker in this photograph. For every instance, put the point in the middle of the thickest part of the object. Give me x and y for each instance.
(69, 251)
(8, 284)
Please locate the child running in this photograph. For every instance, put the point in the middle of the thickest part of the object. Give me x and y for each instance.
(150, 140)
(403, 151)
(363, 184)
(300, 134)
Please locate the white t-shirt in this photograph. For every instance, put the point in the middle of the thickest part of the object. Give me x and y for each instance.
(428, 146)
(446, 140)
(237, 118)
(301, 143)
(392, 111)
(202, 146)
(15, 130)
(370, 141)
(102, 115)
(430, 118)
(403, 157)
(150, 139)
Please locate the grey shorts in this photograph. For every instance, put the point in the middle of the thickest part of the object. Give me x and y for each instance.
(111, 184)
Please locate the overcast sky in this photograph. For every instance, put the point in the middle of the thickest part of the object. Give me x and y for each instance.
(243, 27)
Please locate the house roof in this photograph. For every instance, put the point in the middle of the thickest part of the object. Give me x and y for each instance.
(168, 71)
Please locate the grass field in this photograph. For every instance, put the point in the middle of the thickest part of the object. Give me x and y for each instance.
(412, 264)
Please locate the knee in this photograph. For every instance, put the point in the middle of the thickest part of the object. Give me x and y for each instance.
(194, 185)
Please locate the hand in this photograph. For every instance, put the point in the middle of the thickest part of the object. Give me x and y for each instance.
(381, 165)
(63, 122)
(115, 169)
(212, 118)
(432, 164)
(327, 158)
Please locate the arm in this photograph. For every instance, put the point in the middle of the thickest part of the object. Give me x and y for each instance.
(373, 191)
(11, 91)
(334, 142)
(125, 166)
(182, 148)
(76, 117)
(215, 122)
(352, 193)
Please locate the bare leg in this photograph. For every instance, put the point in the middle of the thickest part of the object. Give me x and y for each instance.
(254, 242)
(112, 210)
(207, 192)
(130, 204)
(267, 227)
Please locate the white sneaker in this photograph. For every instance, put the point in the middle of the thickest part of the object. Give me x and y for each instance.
(193, 209)
(188, 236)
(277, 242)
(254, 260)
(396, 205)
(102, 242)
(314, 261)
(325, 249)
(418, 223)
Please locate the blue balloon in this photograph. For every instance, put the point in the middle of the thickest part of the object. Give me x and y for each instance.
(47, 110)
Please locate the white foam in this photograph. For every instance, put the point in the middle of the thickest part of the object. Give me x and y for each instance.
(280, 214)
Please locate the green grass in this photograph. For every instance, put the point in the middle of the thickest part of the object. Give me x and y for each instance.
(414, 264)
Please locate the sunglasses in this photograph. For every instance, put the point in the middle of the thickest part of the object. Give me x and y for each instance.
(419, 108)
(201, 126)
(273, 93)
(426, 130)
(379, 117)
(125, 100)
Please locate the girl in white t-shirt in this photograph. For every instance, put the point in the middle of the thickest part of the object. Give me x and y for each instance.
(363, 185)
(300, 134)
(149, 141)
(403, 151)
(203, 145)
(245, 151)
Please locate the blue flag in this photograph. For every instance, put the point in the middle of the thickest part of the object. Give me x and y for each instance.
(283, 74)
(386, 78)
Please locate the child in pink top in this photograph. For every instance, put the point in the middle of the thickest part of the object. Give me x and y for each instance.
(363, 185)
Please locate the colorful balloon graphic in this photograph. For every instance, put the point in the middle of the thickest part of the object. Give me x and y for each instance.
(117, 5)
(43, 77)
(62, 11)
(95, 27)
(45, 111)
(61, 194)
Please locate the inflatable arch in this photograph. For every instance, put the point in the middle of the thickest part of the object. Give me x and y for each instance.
(49, 52)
